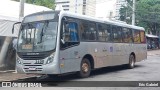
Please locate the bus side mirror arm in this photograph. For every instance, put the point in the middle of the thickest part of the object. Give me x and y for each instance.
(14, 25)
(62, 40)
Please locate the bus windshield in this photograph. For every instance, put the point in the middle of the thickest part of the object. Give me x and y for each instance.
(37, 36)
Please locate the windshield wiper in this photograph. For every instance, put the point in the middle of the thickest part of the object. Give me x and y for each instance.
(25, 31)
(42, 31)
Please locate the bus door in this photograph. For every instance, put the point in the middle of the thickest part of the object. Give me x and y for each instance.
(69, 53)
(118, 46)
(105, 48)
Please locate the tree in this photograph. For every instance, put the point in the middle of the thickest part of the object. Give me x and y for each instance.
(147, 14)
(47, 3)
(126, 12)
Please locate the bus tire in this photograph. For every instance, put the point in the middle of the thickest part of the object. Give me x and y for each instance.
(85, 68)
(53, 76)
(131, 64)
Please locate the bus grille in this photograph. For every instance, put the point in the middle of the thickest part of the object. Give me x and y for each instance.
(30, 66)
(36, 70)
(32, 56)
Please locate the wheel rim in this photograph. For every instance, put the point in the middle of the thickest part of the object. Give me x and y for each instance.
(85, 67)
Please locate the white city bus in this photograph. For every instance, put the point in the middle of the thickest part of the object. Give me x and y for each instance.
(58, 42)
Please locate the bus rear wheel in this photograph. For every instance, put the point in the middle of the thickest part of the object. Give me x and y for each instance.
(85, 68)
(131, 64)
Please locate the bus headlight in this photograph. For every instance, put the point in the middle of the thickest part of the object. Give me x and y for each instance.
(50, 59)
(19, 60)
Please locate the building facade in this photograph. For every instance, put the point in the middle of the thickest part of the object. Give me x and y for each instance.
(62, 5)
(84, 7)
(119, 4)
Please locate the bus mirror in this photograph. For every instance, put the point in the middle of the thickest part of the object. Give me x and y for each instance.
(12, 30)
(64, 19)
(62, 40)
(16, 26)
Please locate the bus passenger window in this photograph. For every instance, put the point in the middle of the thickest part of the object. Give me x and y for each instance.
(136, 36)
(127, 35)
(116, 34)
(71, 32)
(104, 32)
(143, 39)
(88, 31)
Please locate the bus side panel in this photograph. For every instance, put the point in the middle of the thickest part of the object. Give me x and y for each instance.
(102, 52)
(140, 52)
(120, 53)
(71, 57)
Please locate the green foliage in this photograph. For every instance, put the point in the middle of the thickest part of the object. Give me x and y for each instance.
(125, 14)
(147, 14)
(47, 3)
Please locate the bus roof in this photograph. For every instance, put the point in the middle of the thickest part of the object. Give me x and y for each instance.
(65, 13)
(151, 36)
(42, 12)
(74, 15)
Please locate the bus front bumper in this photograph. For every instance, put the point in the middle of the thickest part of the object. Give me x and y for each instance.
(43, 69)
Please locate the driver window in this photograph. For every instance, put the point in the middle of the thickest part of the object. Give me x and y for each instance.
(71, 32)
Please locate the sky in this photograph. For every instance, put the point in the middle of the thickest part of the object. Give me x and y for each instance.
(10, 9)
(104, 7)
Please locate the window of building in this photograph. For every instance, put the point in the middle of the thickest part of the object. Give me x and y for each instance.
(65, 5)
(84, 10)
(66, 9)
(62, 2)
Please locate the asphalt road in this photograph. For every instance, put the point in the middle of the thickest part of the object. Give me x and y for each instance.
(147, 70)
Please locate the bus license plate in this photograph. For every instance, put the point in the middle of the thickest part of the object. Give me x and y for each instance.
(32, 68)
(28, 46)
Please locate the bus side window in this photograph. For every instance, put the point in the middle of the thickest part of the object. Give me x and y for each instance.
(71, 32)
(88, 31)
(142, 35)
(104, 32)
(127, 35)
(116, 34)
(136, 36)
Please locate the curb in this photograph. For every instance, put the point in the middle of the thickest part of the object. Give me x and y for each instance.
(7, 71)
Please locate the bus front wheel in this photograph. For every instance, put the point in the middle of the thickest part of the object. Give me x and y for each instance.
(85, 68)
(131, 64)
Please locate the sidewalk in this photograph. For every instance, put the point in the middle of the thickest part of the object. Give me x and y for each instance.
(10, 75)
(153, 52)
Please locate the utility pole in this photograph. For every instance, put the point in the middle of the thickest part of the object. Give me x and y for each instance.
(133, 12)
(21, 9)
